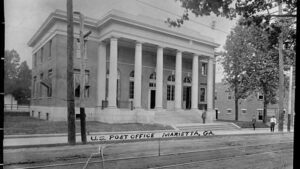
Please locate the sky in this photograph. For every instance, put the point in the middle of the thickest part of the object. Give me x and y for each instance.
(24, 17)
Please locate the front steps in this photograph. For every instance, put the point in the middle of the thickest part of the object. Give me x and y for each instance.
(208, 126)
(172, 117)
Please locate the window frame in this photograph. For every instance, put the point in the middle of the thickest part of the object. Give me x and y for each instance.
(200, 95)
(204, 68)
(171, 88)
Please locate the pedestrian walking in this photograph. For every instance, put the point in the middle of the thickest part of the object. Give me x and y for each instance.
(273, 123)
(204, 116)
(253, 122)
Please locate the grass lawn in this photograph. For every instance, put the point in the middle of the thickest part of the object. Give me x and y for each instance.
(247, 124)
(29, 125)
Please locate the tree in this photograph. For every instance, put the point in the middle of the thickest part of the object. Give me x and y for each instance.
(251, 63)
(17, 77)
(233, 61)
(11, 63)
(23, 82)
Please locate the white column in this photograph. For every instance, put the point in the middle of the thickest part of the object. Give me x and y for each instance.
(159, 78)
(195, 82)
(113, 73)
(138, 75)
(178, 80)
(101, 73)
(210, 81)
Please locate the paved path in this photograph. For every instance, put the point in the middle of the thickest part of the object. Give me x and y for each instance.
(14, 141)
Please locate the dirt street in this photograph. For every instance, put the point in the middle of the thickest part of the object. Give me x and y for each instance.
(244, 151)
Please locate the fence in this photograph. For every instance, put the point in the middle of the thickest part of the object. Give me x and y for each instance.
(16, 107)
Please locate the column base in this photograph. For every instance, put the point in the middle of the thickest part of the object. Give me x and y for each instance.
(111, 107)
(158, 108)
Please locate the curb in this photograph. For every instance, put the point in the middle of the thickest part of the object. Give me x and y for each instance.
(133, 141)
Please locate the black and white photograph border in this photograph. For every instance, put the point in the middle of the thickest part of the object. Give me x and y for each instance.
(149, 84)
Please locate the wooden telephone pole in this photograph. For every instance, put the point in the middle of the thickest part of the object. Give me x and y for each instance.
(70, 78)
(281, 77)
(82, 76)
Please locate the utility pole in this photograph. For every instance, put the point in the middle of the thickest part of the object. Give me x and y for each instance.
(82, 76)
(70, 78)
(290, 115)
(281, 78)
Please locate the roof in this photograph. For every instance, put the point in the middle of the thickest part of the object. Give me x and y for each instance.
(136, 20)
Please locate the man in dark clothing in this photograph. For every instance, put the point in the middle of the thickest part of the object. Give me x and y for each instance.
(253, 122)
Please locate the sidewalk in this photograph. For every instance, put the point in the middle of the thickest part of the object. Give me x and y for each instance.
(40, 140)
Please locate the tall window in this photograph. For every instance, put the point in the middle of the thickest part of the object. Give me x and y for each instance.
(204, 68)
(202, 95)
(34, 60)
(131, 85)
(171, 88)
(49, 89)
(260, 114)
(34, 87)
(41, 86)
(50, 47)
(42, 53)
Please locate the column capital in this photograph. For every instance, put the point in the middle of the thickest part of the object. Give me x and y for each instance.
(138, 42)
(178, 51)
(160, 46)
(114, 38)
(195, 55)
(102, 43)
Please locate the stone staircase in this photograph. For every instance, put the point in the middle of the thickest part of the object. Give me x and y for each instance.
(208, 126)
(172, 117)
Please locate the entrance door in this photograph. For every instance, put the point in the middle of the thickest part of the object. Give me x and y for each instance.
(188, 97)
(152, 99)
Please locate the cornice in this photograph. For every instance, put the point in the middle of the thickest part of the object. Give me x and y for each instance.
(115, 15)
(141, 21)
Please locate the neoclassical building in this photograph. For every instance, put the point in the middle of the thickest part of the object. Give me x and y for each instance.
(138, 69)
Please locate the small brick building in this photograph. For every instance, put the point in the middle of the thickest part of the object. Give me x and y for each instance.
(252, 105)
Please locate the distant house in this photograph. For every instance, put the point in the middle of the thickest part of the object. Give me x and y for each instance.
(252, 105)
(9, 101)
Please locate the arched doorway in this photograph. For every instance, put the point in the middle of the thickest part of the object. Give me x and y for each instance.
(187, 92)
(152, 90)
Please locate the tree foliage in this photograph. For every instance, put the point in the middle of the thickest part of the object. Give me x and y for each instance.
(256, 12)
(251, 63)
(17, 77)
